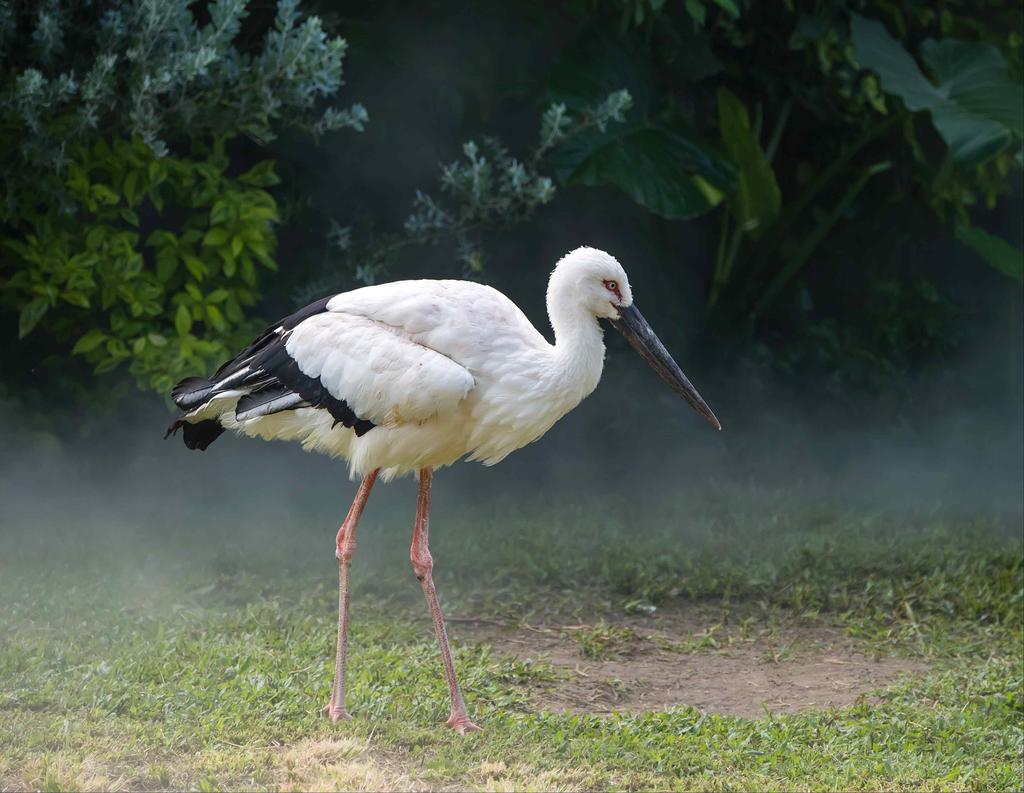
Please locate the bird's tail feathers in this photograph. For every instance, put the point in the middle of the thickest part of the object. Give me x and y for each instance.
(198, 435)
(188, 395)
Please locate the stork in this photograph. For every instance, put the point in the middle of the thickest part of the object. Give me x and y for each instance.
(410, 376)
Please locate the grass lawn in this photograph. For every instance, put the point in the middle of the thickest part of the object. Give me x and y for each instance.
(643, 664)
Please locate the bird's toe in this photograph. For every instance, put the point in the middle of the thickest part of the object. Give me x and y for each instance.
(336, 714)
(461, 724)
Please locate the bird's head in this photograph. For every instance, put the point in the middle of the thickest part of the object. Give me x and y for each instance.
(595, 281)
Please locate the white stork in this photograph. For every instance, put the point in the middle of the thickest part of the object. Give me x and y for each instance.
(409, 376)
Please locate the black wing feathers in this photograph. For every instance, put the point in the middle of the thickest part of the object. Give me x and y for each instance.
(271, 380)
(269, 399)
(270, 335)
(191, 392)
(275, 360)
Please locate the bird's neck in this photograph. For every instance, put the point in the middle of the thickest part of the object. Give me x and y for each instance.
(579, 346)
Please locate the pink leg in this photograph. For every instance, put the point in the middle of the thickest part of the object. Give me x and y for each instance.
(423, 565)
(345, 548)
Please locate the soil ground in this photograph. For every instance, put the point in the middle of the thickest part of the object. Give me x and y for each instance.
(675, 659)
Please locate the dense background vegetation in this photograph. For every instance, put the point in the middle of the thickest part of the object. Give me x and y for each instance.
(829, 192)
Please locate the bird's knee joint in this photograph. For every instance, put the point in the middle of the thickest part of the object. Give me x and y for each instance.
(422, 565)
(344, 552)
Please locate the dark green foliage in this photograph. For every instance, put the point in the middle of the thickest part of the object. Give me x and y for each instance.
(975, 105)
(486, 189)
(902, 326)
(149, 68)
(168, 302)
(130, 236)
(806, 127)
(995, 250)
(663, 170)
(755, 204)
(839, 117)
(490, 188)
(655, 158)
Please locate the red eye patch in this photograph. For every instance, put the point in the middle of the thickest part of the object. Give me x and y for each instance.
(613, 287)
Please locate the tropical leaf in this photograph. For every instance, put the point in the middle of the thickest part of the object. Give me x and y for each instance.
(757, 198)
(975, 76)
(659, 168)
(999, 253)
(975, 105)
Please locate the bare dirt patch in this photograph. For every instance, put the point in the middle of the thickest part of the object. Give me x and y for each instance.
(636, 665)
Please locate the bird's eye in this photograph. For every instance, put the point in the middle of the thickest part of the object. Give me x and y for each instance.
(611, 286)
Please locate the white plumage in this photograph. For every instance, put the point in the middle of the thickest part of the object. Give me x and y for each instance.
(443, 369)
(415, 375)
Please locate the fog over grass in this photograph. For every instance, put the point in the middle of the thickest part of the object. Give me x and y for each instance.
(632, 467)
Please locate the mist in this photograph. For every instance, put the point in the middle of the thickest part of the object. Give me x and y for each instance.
(632, 465)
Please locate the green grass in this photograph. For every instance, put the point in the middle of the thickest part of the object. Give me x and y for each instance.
(208, 675)
(604, 641)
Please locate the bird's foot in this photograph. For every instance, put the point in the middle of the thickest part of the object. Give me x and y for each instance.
(336, 713)
(461, 724)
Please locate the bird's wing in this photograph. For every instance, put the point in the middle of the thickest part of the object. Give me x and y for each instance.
(261, 380)
(470, 323)
(382, 374)
(362, 369)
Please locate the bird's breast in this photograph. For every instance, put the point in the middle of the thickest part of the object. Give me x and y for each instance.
(516, 404)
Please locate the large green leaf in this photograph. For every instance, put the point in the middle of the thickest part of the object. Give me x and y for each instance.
(975, 76)
(757, 198)
(661, 169)
(658, 164)
(975, 105)
(1006, 258)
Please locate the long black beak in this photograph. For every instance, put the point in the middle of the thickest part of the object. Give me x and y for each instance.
(634, 327)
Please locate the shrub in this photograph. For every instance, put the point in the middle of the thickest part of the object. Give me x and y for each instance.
(127, 231)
